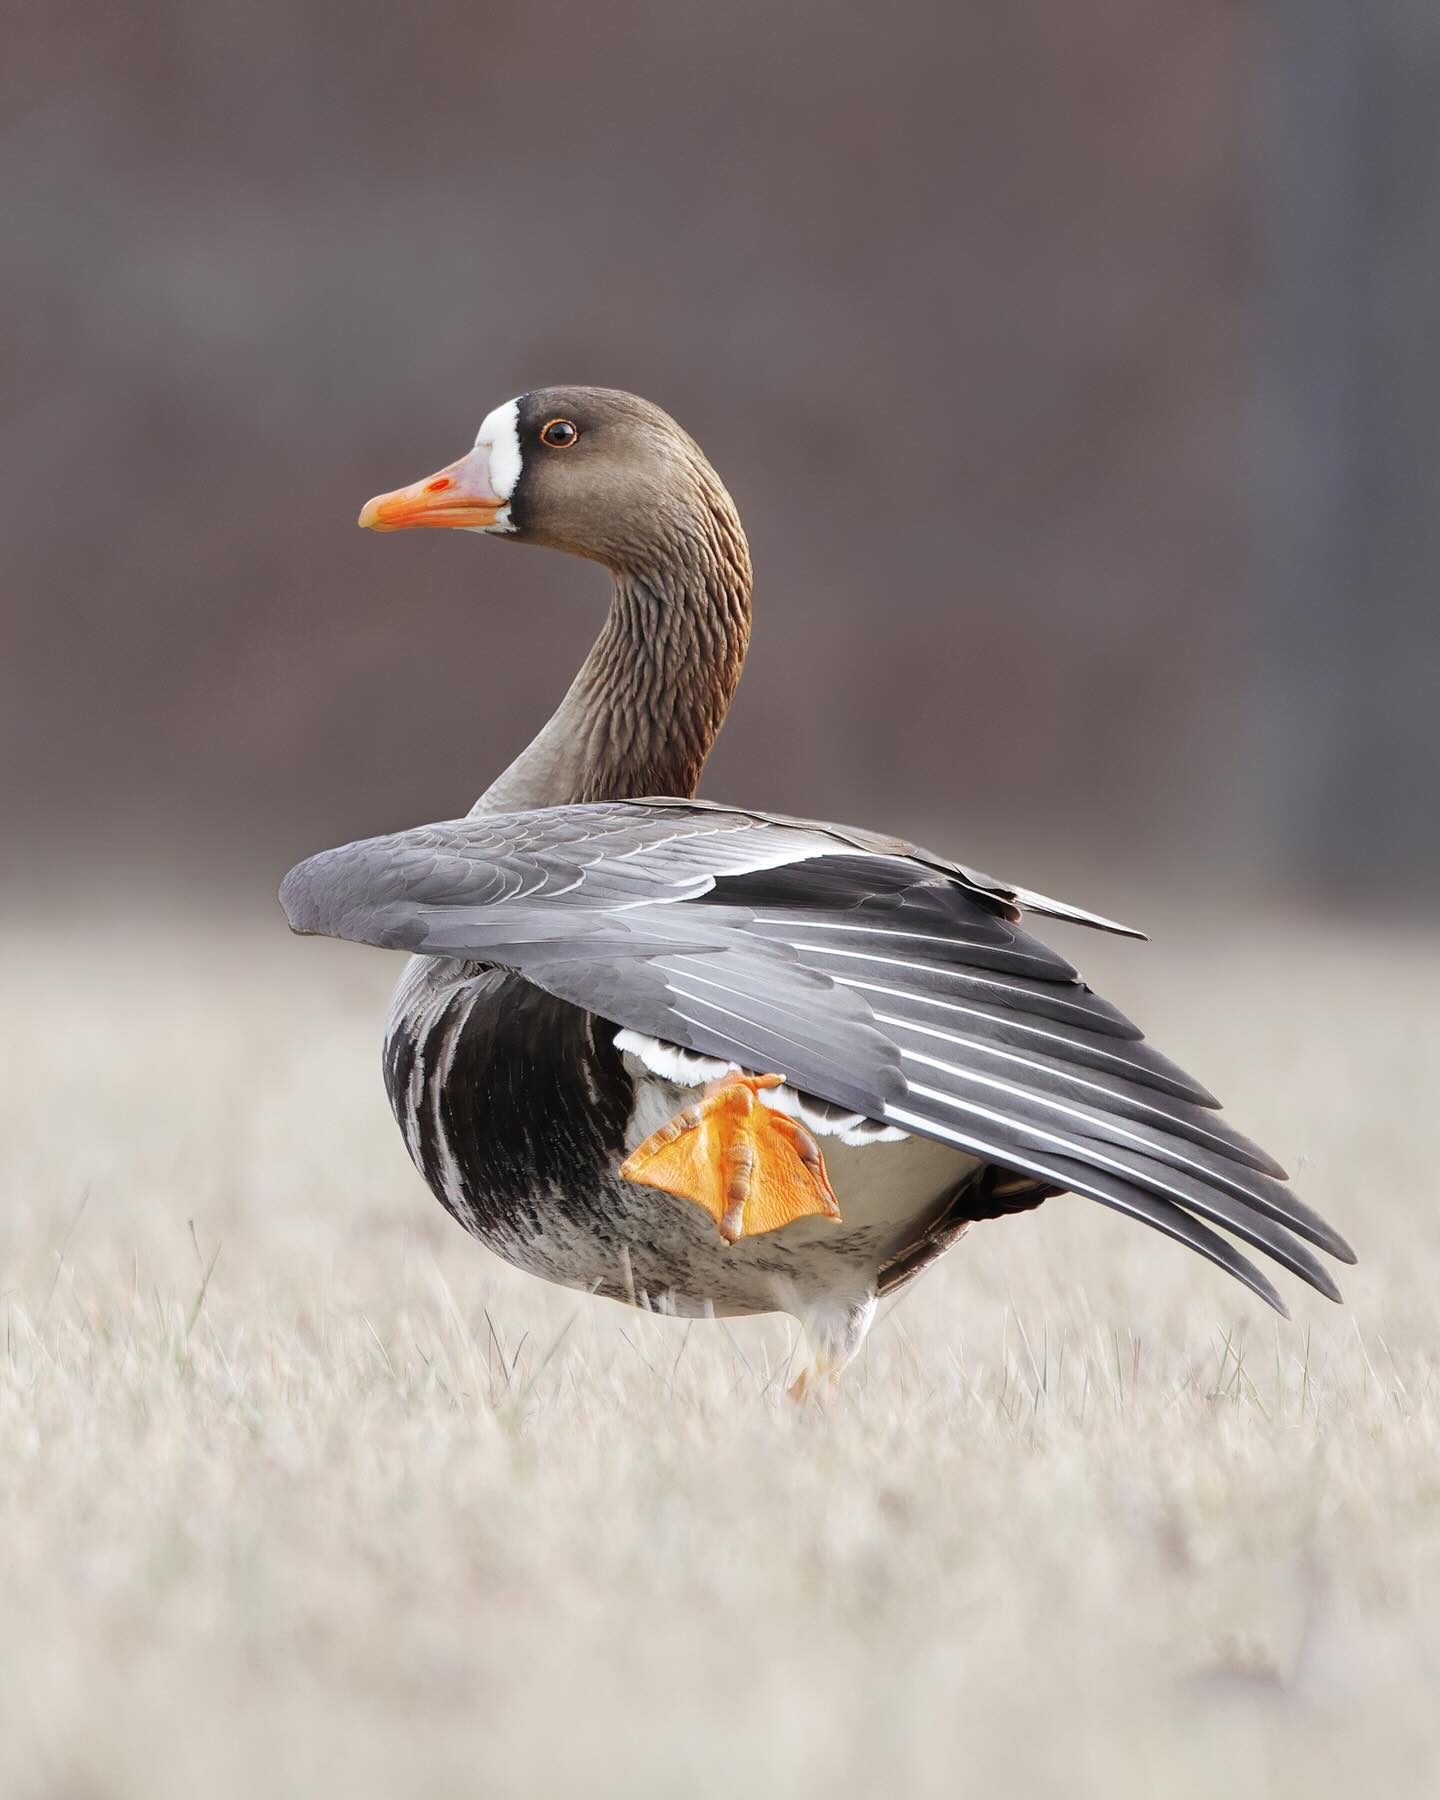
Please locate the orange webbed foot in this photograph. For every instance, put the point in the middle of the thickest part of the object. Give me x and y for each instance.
(752, 1169)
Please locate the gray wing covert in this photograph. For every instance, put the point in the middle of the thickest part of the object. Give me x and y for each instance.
(893, 985)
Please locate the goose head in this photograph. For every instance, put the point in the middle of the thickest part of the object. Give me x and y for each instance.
(592, 471)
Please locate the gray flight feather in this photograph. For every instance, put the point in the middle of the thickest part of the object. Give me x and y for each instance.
(873, 975)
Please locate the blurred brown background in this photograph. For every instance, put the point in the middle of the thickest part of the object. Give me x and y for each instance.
(1073, 368)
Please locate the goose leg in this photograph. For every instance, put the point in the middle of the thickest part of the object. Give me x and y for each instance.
(751, 1168)
(832, 1332)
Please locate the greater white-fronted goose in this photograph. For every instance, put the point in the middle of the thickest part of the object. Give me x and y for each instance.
(638, 1027)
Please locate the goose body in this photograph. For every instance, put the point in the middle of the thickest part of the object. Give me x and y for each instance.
(470, 1053)
(592, 945)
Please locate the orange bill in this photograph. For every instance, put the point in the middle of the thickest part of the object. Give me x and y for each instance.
(459, 495)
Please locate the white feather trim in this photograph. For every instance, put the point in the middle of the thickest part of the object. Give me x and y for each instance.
(686, 1068)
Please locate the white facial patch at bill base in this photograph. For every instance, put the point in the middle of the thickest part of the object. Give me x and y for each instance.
(499, 438)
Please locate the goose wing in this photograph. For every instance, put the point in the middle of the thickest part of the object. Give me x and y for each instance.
(872, 974)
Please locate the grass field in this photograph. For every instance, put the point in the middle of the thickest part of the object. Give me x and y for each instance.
(301, 1492)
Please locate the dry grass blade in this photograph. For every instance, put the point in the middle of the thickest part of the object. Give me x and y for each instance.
(373, 1514)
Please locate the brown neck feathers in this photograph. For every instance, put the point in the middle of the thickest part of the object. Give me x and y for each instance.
(643, 712)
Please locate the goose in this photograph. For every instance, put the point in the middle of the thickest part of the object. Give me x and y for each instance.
(711, 1060)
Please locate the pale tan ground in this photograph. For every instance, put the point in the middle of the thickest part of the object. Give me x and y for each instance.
(369, 1515)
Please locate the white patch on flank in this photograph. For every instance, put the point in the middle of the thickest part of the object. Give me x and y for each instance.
(686, 1068)
(499, 437)
(451, 1178)
(831, 1121)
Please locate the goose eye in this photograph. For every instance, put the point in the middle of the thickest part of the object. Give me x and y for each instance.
(559, 434)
